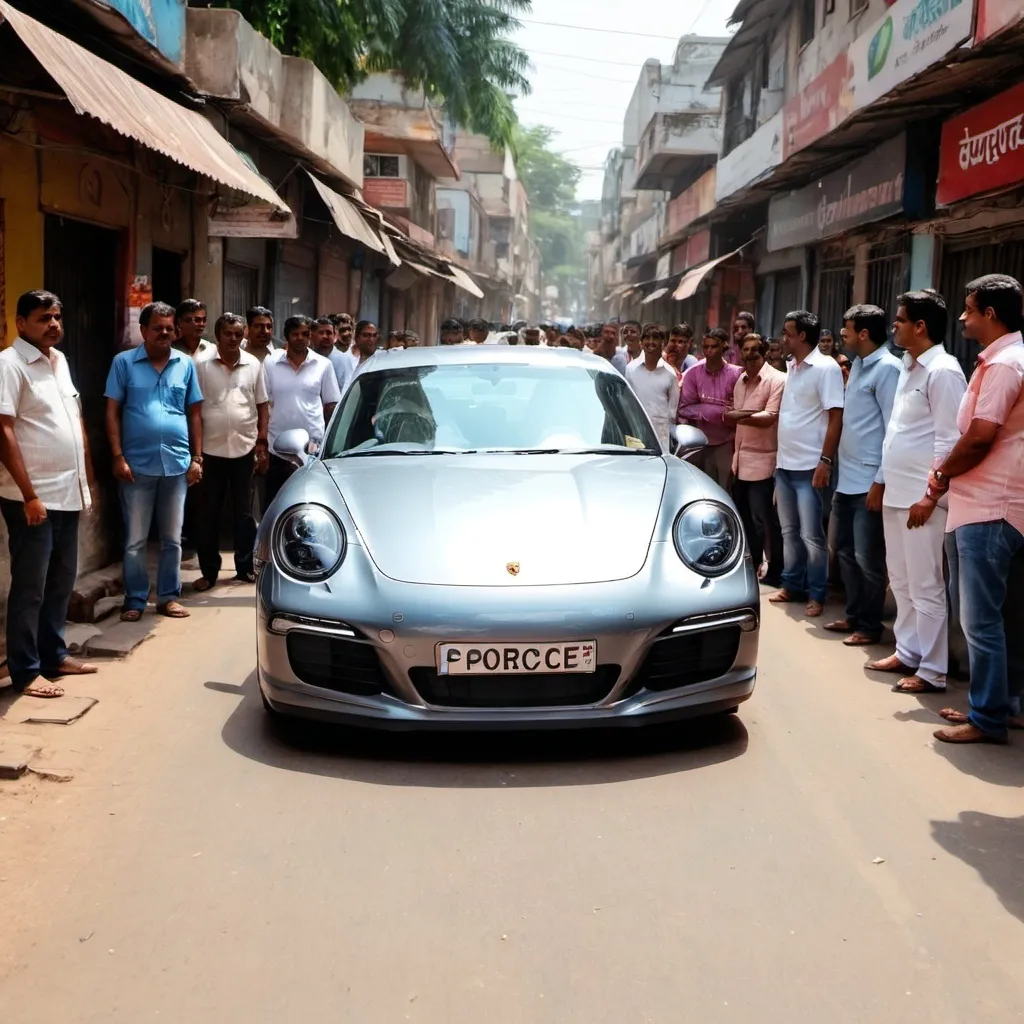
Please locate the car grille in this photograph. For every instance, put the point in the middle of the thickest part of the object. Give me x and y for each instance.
(514, 691)
(688, 659)
(336, 663)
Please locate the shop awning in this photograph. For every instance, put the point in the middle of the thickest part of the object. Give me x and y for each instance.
(350, 222)
(99, 89)
(692, 278)
(462, 280)
(654, 296)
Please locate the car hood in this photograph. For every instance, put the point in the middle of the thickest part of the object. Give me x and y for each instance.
(504, 520)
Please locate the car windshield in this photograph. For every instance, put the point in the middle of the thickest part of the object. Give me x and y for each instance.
(454, 409)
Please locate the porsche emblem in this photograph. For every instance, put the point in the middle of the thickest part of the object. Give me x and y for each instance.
(512, 568)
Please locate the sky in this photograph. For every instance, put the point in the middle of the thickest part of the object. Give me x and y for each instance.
(582, 80)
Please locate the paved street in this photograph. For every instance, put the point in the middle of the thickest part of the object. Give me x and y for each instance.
(198, 870)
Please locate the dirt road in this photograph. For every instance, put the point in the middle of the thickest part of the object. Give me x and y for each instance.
(199, 870)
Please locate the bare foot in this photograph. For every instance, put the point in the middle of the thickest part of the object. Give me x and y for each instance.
(41, 689)
(967, 733)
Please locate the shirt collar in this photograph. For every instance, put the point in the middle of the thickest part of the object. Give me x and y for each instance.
(874, 357)
(27, 350)
(997, 346)
(813, 358)
(141, 355)
(926, 357)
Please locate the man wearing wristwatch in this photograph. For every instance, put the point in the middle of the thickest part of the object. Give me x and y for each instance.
(985, 525)
(155, 430)
(810, 425)
(235, 413)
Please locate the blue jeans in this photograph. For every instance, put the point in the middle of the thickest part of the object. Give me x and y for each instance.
(860, 545)
(44, 566)
(980, 555)
(804, 548)
(164, 495)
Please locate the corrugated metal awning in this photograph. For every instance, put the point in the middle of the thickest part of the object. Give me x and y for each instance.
(462, 280)
(692, 278)
(351, 223)
(103, 91)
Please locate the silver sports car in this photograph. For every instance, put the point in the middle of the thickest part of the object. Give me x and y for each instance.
(491, 538)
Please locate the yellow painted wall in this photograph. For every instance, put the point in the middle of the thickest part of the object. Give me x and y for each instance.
(23, 230)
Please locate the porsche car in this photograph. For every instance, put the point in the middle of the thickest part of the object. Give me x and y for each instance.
(492, 538)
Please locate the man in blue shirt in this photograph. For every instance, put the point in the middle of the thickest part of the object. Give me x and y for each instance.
(857, 502)
(156, 438)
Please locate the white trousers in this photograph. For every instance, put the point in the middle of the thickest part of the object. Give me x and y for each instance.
(914, 560)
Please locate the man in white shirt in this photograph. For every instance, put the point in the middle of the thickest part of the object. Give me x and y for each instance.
(857, 502)
(655, 383)
(303, 392)
(810, 425)
(323, 344)
(44, 487)
(259, 332)
(922, 432)
(234, 415)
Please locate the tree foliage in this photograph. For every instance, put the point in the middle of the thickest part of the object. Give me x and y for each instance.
(457, 51)
(550, 181)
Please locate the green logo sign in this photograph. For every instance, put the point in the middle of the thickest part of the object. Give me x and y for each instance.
(878, 51)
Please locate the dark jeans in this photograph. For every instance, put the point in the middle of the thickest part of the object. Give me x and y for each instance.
(860, 546)
(804, 547)
(761, 525)
(223, 477)
(44, 566)
(277, 476)
(980, 556)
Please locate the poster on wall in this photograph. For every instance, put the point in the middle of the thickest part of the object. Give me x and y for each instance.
(140, 295)
(910, 37)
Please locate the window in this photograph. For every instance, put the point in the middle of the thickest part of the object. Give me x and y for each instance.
(375, 166)
(807, 20)
(504, 406)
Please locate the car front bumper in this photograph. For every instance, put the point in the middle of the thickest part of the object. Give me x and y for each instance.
(373, 670)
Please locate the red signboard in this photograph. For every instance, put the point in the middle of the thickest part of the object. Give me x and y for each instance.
(817, 109)
(983, 149)
(386, 192)
(696, 201)
(995, 15)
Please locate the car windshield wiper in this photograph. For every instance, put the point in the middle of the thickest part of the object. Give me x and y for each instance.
(609, 451)
(378, 452)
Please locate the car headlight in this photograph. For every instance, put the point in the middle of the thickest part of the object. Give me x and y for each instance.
(309, 543)
(709, 537)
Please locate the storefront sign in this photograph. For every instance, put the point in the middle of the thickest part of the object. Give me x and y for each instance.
(386, 193)
(751, 160)
(697, 201)
(819, 108)
(250, 220)
(910, 37)
(983, 149)
(868, 190)
(994, 16)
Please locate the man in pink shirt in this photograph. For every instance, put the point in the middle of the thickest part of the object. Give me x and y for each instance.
(985, 526)
(757, 398)
(705, 396)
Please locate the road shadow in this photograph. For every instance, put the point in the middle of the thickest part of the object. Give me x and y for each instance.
(994, 847)
(477, 760)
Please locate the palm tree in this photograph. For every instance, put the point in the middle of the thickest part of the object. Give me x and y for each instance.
(457, 51)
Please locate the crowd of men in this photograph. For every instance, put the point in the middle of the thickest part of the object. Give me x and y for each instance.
(898, 460)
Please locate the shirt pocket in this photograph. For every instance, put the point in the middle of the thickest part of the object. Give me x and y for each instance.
(241, 395)
(172, 398)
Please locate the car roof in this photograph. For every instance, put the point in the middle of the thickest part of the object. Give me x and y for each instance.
(513, 355)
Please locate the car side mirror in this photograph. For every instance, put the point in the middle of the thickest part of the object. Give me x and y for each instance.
(293, 445)
(688, 440)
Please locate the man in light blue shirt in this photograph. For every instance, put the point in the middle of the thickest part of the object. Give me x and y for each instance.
(156, 436)
(857, 502)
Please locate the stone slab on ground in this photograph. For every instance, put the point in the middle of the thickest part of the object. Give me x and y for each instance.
(78, 634)
(14, 759)
(90, 588)
(121, 638)
(53, 711)
(52, 774)
(105, 606)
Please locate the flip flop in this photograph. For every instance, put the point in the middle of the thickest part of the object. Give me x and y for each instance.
(861, 640)
(960, 718)
(173, 610)
(201, 585)
(839, 626)
(921, 686)
(813, 609)
(131, 615)
(968, 734)
(46, 691)
(72, 667)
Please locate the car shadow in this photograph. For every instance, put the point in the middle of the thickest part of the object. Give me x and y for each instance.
(477, 760)
(992, 846)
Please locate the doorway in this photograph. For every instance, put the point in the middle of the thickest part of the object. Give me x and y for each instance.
(167, 276)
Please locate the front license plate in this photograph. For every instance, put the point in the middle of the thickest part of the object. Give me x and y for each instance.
(516, 659)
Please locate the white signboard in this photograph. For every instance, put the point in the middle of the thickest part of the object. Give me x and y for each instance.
(751, 160)
(911, 36)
